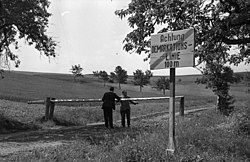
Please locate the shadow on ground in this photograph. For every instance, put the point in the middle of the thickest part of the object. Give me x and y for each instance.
(11, 126)
(55, 130)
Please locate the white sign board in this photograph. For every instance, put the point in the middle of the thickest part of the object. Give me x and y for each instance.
(172, 49)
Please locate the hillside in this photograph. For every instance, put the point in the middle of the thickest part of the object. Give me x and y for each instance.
(24, 86)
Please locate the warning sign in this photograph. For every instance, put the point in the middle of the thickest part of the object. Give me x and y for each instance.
(172, 49)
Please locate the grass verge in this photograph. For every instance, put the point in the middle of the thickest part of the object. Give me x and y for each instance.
(204, 136)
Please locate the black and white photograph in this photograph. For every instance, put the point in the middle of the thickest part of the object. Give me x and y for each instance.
(124, 80)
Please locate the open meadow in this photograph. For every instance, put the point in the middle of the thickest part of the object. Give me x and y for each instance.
(19, 87)
(204, 136)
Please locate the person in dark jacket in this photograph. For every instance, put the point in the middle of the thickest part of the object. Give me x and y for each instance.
(125, 109)
(108, 106)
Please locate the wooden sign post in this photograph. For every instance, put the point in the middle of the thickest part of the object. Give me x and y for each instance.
(171, 141)
(172, 50)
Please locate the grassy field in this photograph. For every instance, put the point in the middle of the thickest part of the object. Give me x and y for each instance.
(26, 86)
(206, 136)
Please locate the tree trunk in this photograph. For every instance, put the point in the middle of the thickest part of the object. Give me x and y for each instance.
(140, 88)
(224, 104)
(164, 89)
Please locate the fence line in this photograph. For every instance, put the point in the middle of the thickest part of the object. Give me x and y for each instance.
(50, 103)
(97, 100)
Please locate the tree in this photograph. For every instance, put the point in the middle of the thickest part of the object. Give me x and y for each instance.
(120, 75)
(141, 78)
(219, 25)
(105, 77)
(223, 22)
(162, 84)
(218, 78)
(27, 20)
(112, 77)
(76, 70)
(96, 74)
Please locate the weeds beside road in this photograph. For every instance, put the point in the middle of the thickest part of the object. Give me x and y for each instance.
(202, 136)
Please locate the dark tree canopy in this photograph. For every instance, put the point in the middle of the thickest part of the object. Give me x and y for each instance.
(162, 83)
(105, 77)
(76, 70)
(141, 78)
(218, 24)
(28, 20)
(96, 74)
(120, 75)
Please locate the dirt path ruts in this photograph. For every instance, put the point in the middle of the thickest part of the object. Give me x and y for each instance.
(15, 142)
(67, 133)
(23, 141)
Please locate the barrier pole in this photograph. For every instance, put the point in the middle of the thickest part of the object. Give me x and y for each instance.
(47, 108)
(182, 106)
(171, 141)
(52, 108)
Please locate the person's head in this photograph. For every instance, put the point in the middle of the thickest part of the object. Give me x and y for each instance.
(124, 93)
(111, 89)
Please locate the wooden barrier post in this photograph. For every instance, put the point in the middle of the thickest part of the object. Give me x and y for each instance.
(47, 108)
(182, 106)
(52, 108)
(50, 103)
(171, 141)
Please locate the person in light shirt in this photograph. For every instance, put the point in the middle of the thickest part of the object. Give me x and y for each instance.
(125, 109)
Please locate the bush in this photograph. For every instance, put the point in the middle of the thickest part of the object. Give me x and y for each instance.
(111, 81)
(241, 119)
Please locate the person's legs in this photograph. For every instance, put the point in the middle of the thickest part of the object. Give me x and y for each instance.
(128, 117)
(105, 112)
(110, 118)
(123, 118)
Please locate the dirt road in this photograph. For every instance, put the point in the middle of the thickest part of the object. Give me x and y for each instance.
(29, 140)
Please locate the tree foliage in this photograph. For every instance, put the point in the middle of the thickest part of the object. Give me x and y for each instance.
(120, 75)
(162, 84)
(112, 77)
(24, 19)
(141, 78)
(105, 77)
(96, 74)
(76, 70)
(220, 25)
(218, 78)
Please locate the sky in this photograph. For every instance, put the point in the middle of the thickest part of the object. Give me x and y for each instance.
(90, 34)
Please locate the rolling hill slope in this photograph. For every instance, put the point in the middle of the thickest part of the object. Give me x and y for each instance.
(24, 86)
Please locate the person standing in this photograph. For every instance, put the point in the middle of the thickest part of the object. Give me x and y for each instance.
(125, 109)
(108, 106)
